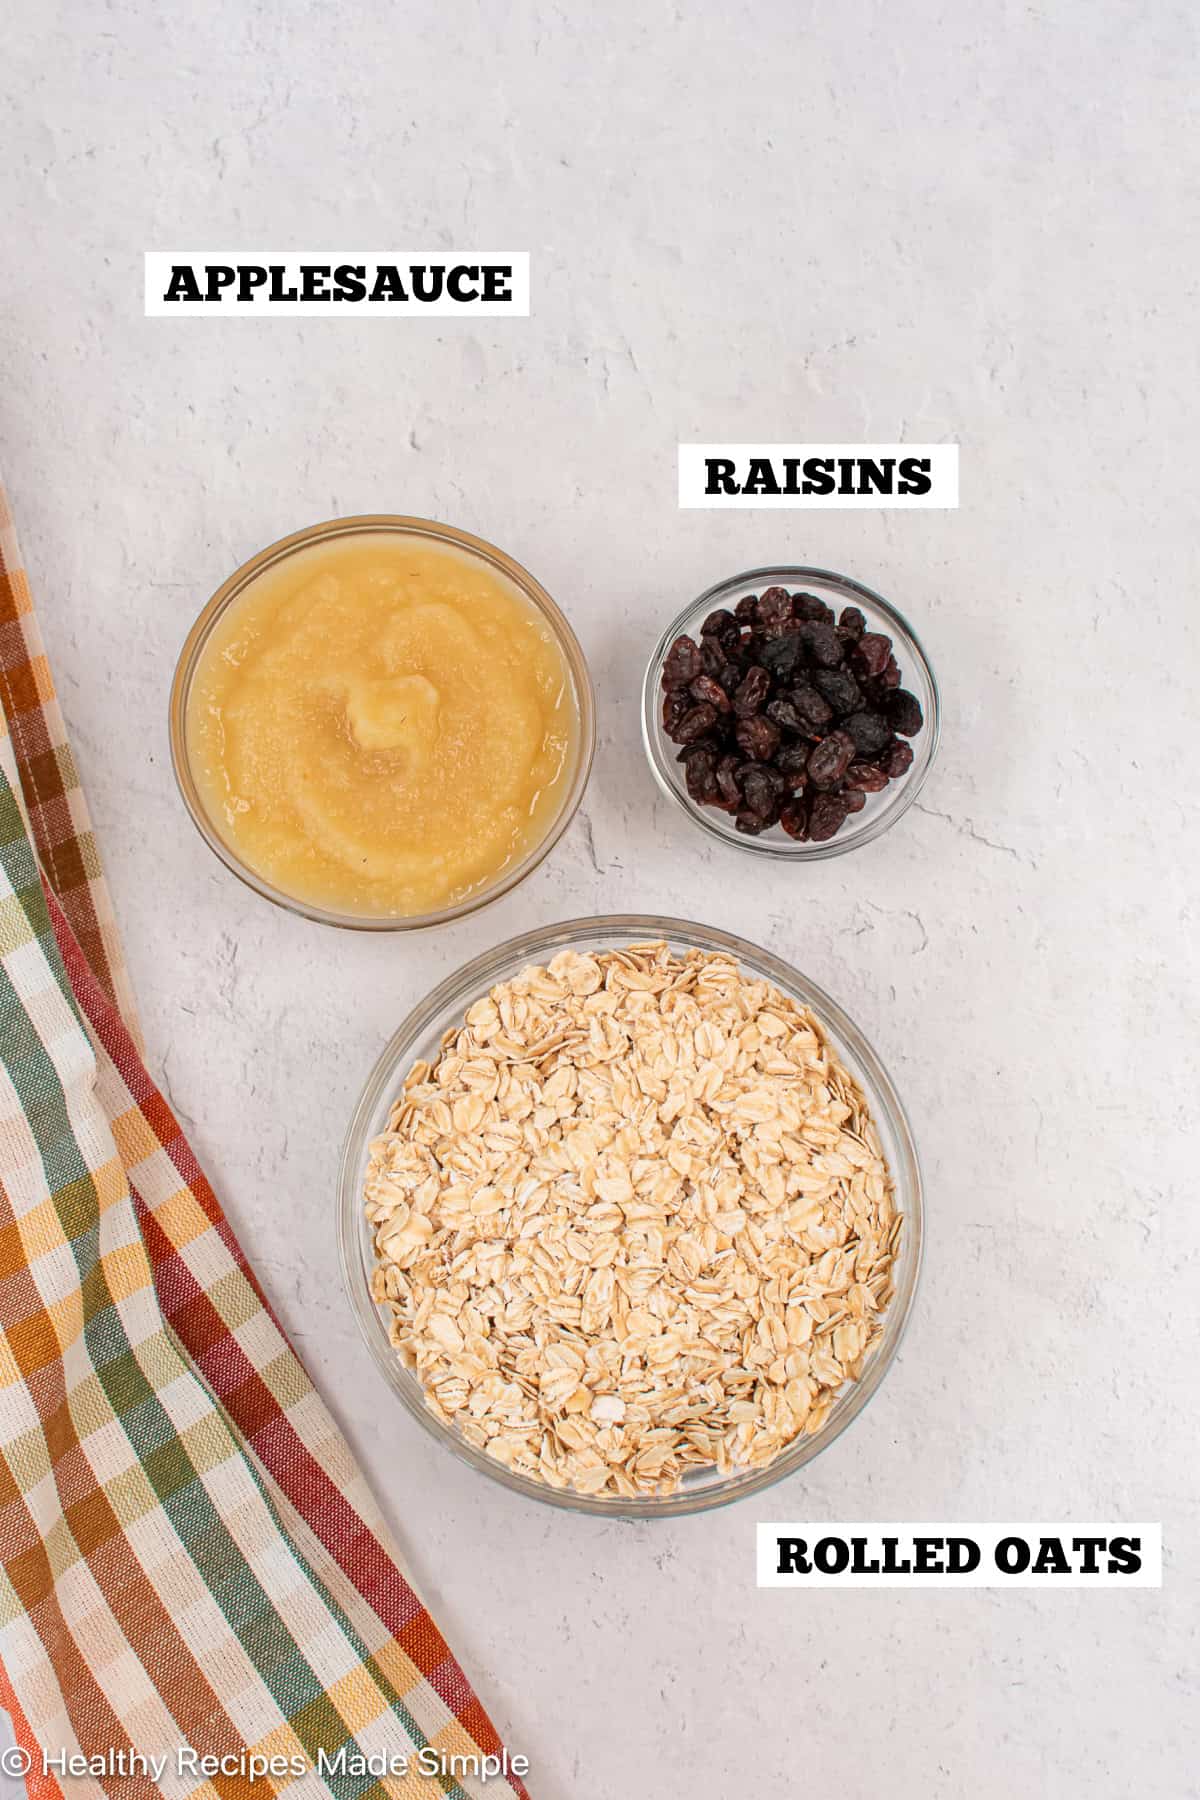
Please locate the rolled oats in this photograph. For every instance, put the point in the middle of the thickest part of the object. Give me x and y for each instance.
(633, 1221)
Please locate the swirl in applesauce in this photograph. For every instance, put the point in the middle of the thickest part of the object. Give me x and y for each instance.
(378, 726)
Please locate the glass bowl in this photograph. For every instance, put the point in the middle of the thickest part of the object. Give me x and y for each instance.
(420, 1036)
(465, 544)
(882, 809)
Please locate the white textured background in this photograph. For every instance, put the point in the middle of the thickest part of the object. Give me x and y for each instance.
(771, 222)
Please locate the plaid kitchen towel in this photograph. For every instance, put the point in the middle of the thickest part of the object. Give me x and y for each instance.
(197, 1594)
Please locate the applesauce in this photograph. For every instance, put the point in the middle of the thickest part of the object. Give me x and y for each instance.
(380, 724)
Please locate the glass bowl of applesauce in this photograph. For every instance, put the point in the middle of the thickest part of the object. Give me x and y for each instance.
(381, 723)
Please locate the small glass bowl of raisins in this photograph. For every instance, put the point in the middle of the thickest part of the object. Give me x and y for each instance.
(792, 712)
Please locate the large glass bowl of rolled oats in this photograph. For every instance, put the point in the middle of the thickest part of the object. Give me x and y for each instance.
(630, 1216)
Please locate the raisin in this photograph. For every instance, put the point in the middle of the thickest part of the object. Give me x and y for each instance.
(695, 722)
(746, 610)
(815, 711)
(783, 712)
(676, 702)
(729, 675)
(824, 646)
(705, 689)
(794, 819)
(712, 657)
(762, 788)
(751, 695)
(904, 712)
(781, 654)
(827, 816)
(867, 776)
(839, 687)
(871, 653)
(807, 606)
(682, 663)
(700, 776)
(898, 760)
(727, 781)
(757, 737)
(774, 608)
(891, 673)
(830, 759)
(868, 731)
(752, 824)
(852, 624)
(722, 626)
(792, 763)
(855, 799)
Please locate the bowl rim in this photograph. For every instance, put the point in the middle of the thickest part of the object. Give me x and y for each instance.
(789, 849)
(458, 989)
(361, 524)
